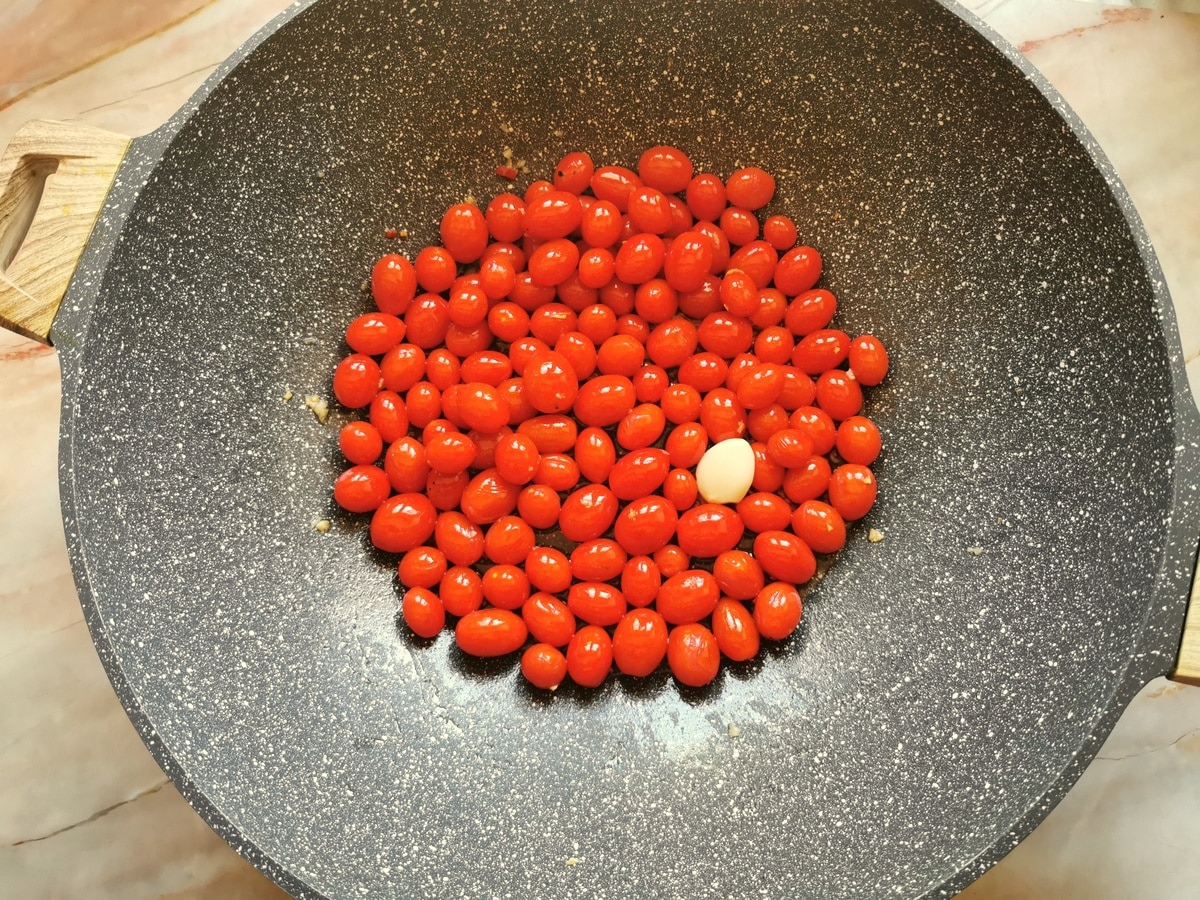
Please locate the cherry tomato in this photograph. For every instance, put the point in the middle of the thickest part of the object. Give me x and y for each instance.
(405, 465)
(780, 232)
(544, 666)
(423, 612)
(490, 632)
(761, 386)
(650, 382)
(706, 196)
(393, 284)
(777, 611)
(688, 261)
(686, 444)
(422, 567)
(487, 366)
(361, 489)
(790, 447)
(428, 320)
(356, 380)
(485, 447)
(360, 442)
(595, 454)
(664, 167)
(550, 382)
(681, 217)
(640, 258)
(553, 262)
(820, 350)
(621, 354)
(598, 323)
(505, 217)
(774, 344)
(819, 427)
(757, 259)
(597, 560)
(750, 187)
(601, 224)
(852, 490)
(720, 248)
(858, 440)
(461, 591)
(402, 367)
(552, 433)
(528, 294)
(738, 574)
(762, 511)
(539, 505)
(505, 586)
(460, 539)
(764, 422)
(468, 303)
(644, 526)
(820, 526)
(596, 603)
(512, 392)
(509, 541)
(588, 513)
(722, 415)
(596, 267)
(725, 335)
(589, 656)
(450, 453)
(768, 474)
(811, 311)
(693, 655)
(703, 371)
(784, 556)
(740, 226)
(604, 400)
(640, 642)
(809, 481)
(508, 321)
(374, 333)
(709, 529)
(681, 489)
(436, 429)
(641, 427)
(671, 343)
(739, 293)
(548, 569)
(553, 214)
(520, 352)
(464, 232)
(681, 403)
(640, 581)
(798, 389)
(688, 596)
(634, 326)
(649, 210)
(487, 497)
(548, 619)
(839, 394)
(798, 270)
(772, 307)
(655, 300)
(639, 473)
(734, 629)
(614, 184)
(574, 172)
(868, 359)
(402, 522)
(671, 560)
(703, 301)
(482, 407)
(557, 471)
(517, 458)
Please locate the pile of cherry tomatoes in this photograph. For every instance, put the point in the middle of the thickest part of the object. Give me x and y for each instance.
(541, 387)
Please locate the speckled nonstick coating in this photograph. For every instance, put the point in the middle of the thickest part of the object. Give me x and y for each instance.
(934, 705)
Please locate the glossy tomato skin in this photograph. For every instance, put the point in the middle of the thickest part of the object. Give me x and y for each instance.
(785, 556)
(790, 447)
(640, 581)
(589, 656)
(641, 426)
(693, 655)
(596, 603)
(735, 632)
(460, 539)
(818, 426)
(550, 382)
(361, 489)
(763, 511)
(722, 415)
(423, 612)
(548, 569)
(490, 632)
(551, 433)
(557, 471)
(639, 473)
(819, 351)
(539, 505)
(548, 619)
(757, 259)
(858, 440)
(614, 184)
(552, 214)
(646, 525)
(666, 168)
(595, 454)
(671, 342)
(650, 382)
(402, 522)
(505, 586)
(509, 541)
(544, 666)
(488, 497)
(709, 529)
(640, 642)
(777, 611)
(671, 560)
(688, 596)
(706, 196)
(374, 333)
(820, 526)
(574, 172)
(505, 218)
(680, 489)
(406, 466)
(597, 560)
(688, 261)
(402, 367)
(393, 284)
(868, 359)
(604, 400)
(464, 232)
(686, 444)
(588, 513)
(750, 187)
(839, 394)
(640, 258)
(450, 453)
(810, 311)
(517, 458)
(482, 407)
(852, 490)
(738, 574)
(356, 380)
(798, 270)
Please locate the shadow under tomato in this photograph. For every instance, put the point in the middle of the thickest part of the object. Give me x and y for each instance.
(701, 696)
(481, 667)
(646, 688)
(411, 639)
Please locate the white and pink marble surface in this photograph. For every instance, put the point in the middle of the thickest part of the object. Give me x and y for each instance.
(84, 809)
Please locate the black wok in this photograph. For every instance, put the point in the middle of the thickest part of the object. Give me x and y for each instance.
(936, 702)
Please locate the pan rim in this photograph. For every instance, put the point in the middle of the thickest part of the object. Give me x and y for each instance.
(1169, 591)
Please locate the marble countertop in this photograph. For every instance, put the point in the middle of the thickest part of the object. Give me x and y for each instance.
(87, 812)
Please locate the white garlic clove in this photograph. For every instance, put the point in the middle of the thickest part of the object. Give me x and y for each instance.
(726, 471)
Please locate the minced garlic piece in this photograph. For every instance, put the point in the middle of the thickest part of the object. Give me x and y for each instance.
(319, 407)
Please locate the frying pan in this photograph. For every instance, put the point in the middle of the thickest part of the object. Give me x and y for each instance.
(935, 704)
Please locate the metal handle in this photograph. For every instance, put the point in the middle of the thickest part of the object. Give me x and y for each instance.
(54, 178)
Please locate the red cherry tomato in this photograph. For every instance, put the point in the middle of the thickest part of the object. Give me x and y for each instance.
(402, 522)
(639, 473)
(595, 454)
(706, 196)
(671, 343)
(574, 172)
(852, 490)
(667, 168)
(798, 389)
(650, 382)
(868, 359)
(553, 262)
(393, 284)
(655, 300)
(790, 447)
(819, 525)
(722, 415)
(819, 427)
(487, 366)
(739, 293)
(406, 466)
(604, 400)
(597, 560)
(548, 569)
(487, 497)
(509, 541)
(839, 394)
(550, 382)
(765, 421)
(644, 526)
(798, 270)
(681, 489)
(551, 433)
(757, 259)
(598, 323)
(709, 529)
(508, 321)
(490, 632)
(435, 269)
(784, 556)
(544, 666)
(360, 442)
(557, 471)
(621, 354)
(821, 350)
(686, 444)
(761, 386)
(461, 591)
(588, 513)
(361, 489)
(640, 642)
(614, 184)
(808, 482)
(640, 258)
(688, 261)
(640, 581)
(780, 232)
(772, 307)
(738, 574)
(671, 560)
(703, 371)
(735, 632)
(450, 453)
(460, 539)
(548, 619)
(402, 367)
(811, 311)
(422, 567)
(596, 603)
(423, 612)
(763, 511)
(517, 458)
(688, 596)
(505, 586)
(539, 505)
(777, 611)
(464, 232)
(601, 224)
(356, 380)
(774, 344)
(750, 187)
(552, 214)
(649, 210)
(482, 407)
(589, 656)
(858, 440)
(768, 474)
(725, 335)
(740, 225)
(642, 426)
(693, 655)
(596, 267)
(681, 403)
(505, 217)
(374, 333)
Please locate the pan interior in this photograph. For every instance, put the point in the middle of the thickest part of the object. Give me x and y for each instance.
(943, 679)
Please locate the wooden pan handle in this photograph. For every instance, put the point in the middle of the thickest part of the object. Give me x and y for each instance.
(54, 177)
(1187, 666)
